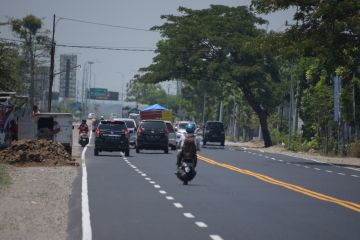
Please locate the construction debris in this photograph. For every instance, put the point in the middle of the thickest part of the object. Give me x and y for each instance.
(36, 153)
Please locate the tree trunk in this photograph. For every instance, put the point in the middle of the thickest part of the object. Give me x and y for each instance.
(260, 112)
(265, 130)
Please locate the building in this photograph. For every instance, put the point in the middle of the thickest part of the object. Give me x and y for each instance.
(68, 63)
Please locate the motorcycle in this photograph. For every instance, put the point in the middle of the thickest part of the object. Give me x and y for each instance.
(186, 172)
(83, 138)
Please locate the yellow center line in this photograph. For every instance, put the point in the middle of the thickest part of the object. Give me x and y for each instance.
(347, 204)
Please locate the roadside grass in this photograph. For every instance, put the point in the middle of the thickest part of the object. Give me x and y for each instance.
(4, 177)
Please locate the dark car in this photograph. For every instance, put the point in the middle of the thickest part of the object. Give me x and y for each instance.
(152, 135)
(214, 132)
(112, 136)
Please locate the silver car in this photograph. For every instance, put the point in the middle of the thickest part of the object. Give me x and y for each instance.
(172, 135)
(131, 126)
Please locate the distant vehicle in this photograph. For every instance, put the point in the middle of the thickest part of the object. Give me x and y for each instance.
(180, 130)
(136, 117)
(172, 135)
(112, 136)
(214, 132)
(114, 115)
(132, 127)
(153, 135)
(91, 115)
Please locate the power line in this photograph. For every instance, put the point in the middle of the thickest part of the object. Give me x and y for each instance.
(107, 48)
(129, 49)
(106, 25)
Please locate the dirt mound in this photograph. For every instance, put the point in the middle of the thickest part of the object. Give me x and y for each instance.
(36, 153)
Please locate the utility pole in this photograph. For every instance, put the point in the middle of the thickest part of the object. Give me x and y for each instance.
(52, 60)
(221, 111)
(204, 106)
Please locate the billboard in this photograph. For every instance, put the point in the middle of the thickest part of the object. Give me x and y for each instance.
(113, 96)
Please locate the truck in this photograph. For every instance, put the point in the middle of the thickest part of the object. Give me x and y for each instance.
(166, 115)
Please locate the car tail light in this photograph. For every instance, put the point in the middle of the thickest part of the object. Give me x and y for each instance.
(126, 132)
(98, 132)
(139, 131)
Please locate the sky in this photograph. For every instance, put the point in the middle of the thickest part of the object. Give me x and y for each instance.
(110, 69)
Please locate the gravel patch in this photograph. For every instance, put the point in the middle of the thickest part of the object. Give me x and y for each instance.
(35, 206)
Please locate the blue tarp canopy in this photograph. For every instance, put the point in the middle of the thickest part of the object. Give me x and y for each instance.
(154, 107)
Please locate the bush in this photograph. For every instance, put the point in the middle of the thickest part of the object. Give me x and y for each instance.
(277, 137)
(355, 149)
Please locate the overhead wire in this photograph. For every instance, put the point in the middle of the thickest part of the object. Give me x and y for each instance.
(106, 25)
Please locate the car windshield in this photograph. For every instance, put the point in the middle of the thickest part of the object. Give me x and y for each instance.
(130, 124)
(112, 126)
(153, 125)
(182, 125)
(215, 125)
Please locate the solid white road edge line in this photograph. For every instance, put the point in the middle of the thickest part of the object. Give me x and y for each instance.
(85, 211)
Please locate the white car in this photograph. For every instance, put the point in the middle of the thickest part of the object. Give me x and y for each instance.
(91, 115)
(180, 130)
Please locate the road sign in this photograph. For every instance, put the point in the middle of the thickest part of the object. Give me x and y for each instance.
(98, 92)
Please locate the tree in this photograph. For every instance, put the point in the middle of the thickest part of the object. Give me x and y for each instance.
(221, 44)
(10, 68)
(329, 31)
(28, 29)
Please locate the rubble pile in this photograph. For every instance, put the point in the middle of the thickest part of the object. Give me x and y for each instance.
(36, 153)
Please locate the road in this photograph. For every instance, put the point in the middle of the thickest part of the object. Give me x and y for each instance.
(237, 194)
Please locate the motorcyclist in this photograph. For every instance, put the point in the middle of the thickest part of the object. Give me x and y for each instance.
(83, 127)
(188, 146)
(190, 133)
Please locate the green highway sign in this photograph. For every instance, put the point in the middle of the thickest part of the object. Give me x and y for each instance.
(98, 92)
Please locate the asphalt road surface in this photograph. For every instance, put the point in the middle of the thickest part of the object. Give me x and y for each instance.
(237, 194)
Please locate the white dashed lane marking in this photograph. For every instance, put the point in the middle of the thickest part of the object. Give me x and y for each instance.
(178, 205)
(201, 224)
(216, 237)
(299, 165)
(189, 215)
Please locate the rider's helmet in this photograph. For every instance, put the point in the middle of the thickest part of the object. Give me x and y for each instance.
(190, 128)
(83, 121)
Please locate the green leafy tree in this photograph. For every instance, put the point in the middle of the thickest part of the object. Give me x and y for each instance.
(35, 44)
(219, 44)
(10, 68)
